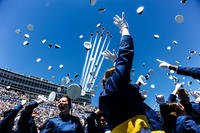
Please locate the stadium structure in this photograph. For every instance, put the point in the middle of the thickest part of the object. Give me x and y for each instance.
(35, 85)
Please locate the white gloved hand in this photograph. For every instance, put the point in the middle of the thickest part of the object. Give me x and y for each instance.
(23, 102)
(195, 94)
(197, 100)
(160, 99)
(110, 56)
(142, 80)
(163, 64)
(120, 22)
(177, 88)
(42, 98)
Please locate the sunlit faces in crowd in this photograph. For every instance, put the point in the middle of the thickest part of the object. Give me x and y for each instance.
(64, 104)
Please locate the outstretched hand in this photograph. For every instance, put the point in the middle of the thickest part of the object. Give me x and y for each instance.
(163, 64)
(120, 22)
(109, 55)
(142, 80)
(23, 102)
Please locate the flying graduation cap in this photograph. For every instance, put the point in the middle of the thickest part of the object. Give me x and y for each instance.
(140, 10)
(74, 91)
(57, 46)
(52, 96)
(101, 10)
(179, 19)
(87, 45)
(30, 27)
(25, 43)
(92, 2)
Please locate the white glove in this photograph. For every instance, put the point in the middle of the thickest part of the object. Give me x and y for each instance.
(42, 98)
(195, 94)
(163, 64)
(197, 100)
(23, 102)
(177, 87)
(160, 99)
(120, 22)
(142, 80)
(110, 56)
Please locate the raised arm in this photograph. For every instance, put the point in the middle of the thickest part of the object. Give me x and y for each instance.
(193, 72)
(121, 74)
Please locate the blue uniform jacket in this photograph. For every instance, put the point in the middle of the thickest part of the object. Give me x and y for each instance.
(26, 123)
(185, 124)
(153, 119)
(121, 102)
(61, 124)
(192, 109)
(7, 123)
(189, 71)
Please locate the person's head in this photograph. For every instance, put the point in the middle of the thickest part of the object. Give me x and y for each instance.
(183, 95)
(107, 74)
(100, 119)
(64, 105)
(172, 109)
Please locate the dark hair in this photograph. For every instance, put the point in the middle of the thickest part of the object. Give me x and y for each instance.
(69, 101)
(107, 74)
(168, 109)
(183, 93)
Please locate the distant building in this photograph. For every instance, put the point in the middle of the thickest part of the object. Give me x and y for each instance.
(35, 85)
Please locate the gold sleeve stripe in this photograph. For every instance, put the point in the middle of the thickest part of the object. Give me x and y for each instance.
(132, 125)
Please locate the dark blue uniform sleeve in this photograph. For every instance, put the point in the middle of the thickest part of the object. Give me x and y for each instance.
(186, 124)
(12, 114)
(26, 122)
(48, 127)
(121, 75)
(5, 123)
(27, 112)
(189, 71)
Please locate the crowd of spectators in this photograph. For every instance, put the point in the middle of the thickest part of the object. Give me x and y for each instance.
(10, 98)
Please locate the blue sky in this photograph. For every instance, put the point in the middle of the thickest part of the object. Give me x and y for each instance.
(62, 21)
